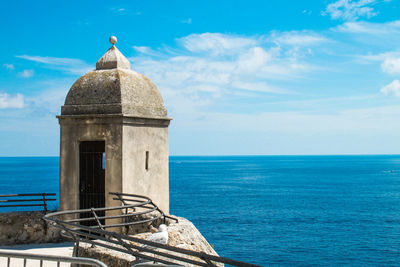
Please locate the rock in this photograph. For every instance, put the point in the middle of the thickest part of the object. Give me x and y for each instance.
(26, 227)
(182, 235)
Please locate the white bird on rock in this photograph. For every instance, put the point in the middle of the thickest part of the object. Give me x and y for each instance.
(161, 236)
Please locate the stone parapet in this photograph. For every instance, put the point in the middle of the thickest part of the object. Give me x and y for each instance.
(25, 228)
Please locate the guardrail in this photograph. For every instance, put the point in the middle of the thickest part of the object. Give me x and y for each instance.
(22, 201)
(142, 202)
(139, 248)
(135, 210)
(42, 258)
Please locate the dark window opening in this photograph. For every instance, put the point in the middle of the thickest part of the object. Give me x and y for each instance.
(147, 161)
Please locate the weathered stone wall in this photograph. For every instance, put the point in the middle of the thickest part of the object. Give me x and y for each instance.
(152, 182)
(74, 130)
(183, 235)
(26, 227)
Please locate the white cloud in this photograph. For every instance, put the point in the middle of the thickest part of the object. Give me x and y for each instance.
(211, 67)
(70, 65)
(350, 10)
(49, 101)
(391, 65)
(390, 28)
(216, 43)
(26, 73)
(377, 57)
(392, 88)
(118, 9)
(145, 50)
(8, 101)
(187, 21)
(298, 38)
(142, 49)
(259, 87)
(9, 66)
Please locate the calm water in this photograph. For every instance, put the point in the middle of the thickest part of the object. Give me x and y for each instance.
(278, 210)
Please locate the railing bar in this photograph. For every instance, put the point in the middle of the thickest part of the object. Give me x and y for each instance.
(114, 225)
(97, 219)
(207, 261)
(139, 205)
(130, 238)
(22, 205)
(132, 223)
(141, 241)
(146, 242)
(175, 219)
(121, 242)
(128, 246)
(123, 202)
(136, 254)
(131, 195)
(81, 231)
(113, 216)
(79, 260)
(8, 261)
(164, 254)
(24, 200)
(24, 262)
(126, 199)
(120, 198)
(41, 263)
(89, 210)
(44, 202)
(28, 195)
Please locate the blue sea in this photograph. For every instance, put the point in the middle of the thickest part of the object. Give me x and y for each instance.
(272, 210)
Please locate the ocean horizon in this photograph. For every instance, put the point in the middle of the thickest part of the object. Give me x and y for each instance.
(270, 210)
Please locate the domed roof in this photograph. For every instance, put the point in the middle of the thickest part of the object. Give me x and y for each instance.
(114, 89)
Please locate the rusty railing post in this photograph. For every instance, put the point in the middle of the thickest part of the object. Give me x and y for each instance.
(44, 202)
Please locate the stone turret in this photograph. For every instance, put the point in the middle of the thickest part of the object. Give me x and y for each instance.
(114, 137)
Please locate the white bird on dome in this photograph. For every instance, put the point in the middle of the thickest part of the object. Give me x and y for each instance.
(161, 236)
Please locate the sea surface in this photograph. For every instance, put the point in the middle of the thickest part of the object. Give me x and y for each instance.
(271, 210)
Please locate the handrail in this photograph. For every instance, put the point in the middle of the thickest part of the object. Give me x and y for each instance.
(33, 202)
(139, 248)
(20, 255)
(125, 198)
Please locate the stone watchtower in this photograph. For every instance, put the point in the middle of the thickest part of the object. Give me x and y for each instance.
(114, 137)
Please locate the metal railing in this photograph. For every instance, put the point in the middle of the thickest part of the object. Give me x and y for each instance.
(142, 202)
(135, 210)
(141, 249)
(42, 258)
(20, 200)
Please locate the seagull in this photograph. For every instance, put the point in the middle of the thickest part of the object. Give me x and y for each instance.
(161, 236)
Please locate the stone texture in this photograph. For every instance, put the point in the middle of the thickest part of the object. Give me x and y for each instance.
(153, 182)
(25, 228)
(113, 58)
(75, 129)
(183, 235)
(115, 91)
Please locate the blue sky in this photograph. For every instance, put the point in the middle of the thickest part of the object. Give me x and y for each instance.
(238, 77)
